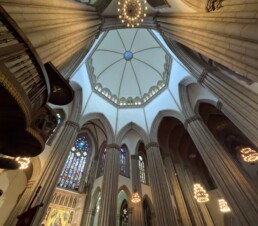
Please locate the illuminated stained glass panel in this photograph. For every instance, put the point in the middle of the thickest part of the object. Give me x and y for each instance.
(122, 161)
(72, 172)
(142, 170)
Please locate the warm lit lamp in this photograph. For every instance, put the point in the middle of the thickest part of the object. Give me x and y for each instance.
(200, 194)
(249, 155)
(132, 12)
(223, 206)
(135, 197)
(24, 162)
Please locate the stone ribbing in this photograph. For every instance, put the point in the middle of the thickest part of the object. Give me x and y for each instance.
(238, 103)
(178, 194)
(61, 31)
(159, 187)
(228, 38)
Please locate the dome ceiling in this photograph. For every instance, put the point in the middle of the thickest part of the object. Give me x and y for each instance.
(129, 67)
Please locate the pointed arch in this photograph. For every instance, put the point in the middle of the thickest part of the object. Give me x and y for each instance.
(146, 213)
(104, 121)
(132, 126)
(164, 113)
(127, 192)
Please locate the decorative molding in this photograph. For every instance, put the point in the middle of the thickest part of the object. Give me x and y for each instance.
(152, 145)
(127, 102)
(135, 157)
(73, 124)
(219, 105)
(213, 5)
(191, 119)
(115, 146)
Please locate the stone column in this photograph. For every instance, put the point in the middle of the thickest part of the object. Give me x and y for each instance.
(108, 205)
(202, 207)
(51, 170)
(137, 215)
(159, 187)
(228, 38)
(178, 194)
(61, 31)
(188, 194)
(239, 104)
(236, 188)
(88, 215)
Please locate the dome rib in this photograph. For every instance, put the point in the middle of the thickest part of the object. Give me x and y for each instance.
(140, 91)
(122, 77)
(149, 66)
(108, 67)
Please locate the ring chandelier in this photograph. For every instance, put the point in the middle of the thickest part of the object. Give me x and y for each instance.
(132, 12)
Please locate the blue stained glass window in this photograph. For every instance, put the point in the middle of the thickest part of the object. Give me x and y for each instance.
(73, 170)
(123, 161)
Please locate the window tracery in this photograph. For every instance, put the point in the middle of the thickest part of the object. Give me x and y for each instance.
(142, 170)
(73, 170)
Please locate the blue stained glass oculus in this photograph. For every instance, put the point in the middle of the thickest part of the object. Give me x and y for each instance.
(73, 170)
(128, 55)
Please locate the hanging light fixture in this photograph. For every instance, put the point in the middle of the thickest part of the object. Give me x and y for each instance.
(200, 193)
(249, 155)
(223, 206)
(135, 197)
(132, 12)
(24, 162)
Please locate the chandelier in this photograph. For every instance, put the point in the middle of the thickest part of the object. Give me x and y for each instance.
(24, 162)
(132, 12)
(223, 206)
(200, 193)
(135, 198)
(249, 155)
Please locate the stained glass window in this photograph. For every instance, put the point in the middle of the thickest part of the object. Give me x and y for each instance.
(124, 214)
(123, 161)
(142, 170)
(72, 172)
(102, 161)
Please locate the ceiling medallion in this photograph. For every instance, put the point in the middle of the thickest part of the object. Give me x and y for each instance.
(132, 12)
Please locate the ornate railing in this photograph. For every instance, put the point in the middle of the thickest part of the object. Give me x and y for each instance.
(24, 92)
(21, 66)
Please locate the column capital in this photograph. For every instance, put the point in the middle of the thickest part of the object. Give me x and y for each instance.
(135, 157)
(72, 124)
(152, 145)
(191, 119)
(116, 146)
(203, 76)
(219, 105)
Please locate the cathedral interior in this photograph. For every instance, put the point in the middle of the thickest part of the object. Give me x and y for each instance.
(128, 112)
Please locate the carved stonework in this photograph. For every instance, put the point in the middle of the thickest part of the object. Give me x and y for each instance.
(113, 146)
(213, 5)
(191, 119)
(203, 76)
(152, 145)
(73, 124)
